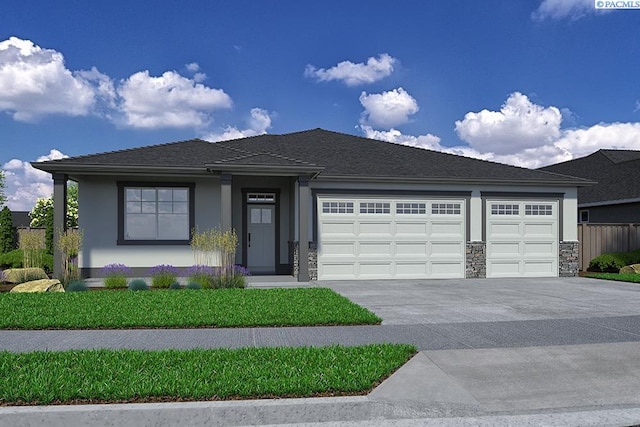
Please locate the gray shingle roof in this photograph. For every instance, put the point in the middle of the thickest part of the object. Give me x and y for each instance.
(616, 171)
(335, 155)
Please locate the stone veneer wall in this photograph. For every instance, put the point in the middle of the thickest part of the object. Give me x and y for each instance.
(476, 260)
(312, 260)
(568, 263)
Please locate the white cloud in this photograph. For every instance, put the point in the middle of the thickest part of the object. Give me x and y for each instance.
(25, 184)
(354, 74)
(523, 134)
(170, 100)
(34, 82)
(258, 124)
(560, 9)
(387, 109)
(519, 124)
(428, 141)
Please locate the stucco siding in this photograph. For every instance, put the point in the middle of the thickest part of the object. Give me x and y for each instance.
(98, 218)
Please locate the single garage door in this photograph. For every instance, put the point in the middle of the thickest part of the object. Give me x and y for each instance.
(366, 238)
(522, 238)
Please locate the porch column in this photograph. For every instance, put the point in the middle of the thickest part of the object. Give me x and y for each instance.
(59, 219)
(304, 198)
(225, 202)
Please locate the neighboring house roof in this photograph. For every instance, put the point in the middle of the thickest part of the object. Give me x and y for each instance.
(20, 219)
(617, 173)
(325, 154)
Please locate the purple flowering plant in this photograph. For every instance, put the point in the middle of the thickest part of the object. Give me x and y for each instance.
(163, 276)
(115, 275)
(202, 274)
(231, 277)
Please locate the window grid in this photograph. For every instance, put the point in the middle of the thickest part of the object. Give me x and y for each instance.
(445, 208)
(156, 213)
(375, 208)
(337, 207)
(505, 209)
(261, 197)
(411, 208)
(538, 210)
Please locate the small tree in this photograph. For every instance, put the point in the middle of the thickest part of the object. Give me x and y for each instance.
(7, 243)
(3, 185)
(44, 207)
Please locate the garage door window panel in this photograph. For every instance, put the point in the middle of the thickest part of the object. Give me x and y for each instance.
(337, 207)
(445, 209)
(375, 208)
(505, 209)
(411, 208)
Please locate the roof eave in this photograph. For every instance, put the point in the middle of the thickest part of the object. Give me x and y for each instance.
(102, 169)
(609, 202)
(448, 180)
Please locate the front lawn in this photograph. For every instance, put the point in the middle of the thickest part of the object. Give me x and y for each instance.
(632, 277)
(220, 308)
(100, 376)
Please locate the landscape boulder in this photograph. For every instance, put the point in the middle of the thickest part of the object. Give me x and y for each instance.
(43, 285)
(21, 275)
(630, 269)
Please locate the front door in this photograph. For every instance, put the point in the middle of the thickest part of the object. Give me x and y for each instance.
(261, 238)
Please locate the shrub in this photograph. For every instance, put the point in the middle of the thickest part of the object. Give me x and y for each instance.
(7, 230)
(234, 277)
(11, 259)
(77, 286)
(193, 285)
(202, 274)
(613, 262)
(175, 285)
(138, 285)
(162, 276)
(115, 275)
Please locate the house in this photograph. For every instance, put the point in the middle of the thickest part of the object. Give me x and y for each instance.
(615, 198)
(362, 208)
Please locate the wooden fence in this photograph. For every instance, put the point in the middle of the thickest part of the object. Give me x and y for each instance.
(596, 239)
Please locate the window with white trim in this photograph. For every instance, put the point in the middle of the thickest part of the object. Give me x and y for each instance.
(504, 209)
(445, 208)
(156, 213)
(411, 208)
(337, 207)
(375, 208)
(538, 210)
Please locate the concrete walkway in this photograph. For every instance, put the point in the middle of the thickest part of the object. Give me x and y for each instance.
(516, 352)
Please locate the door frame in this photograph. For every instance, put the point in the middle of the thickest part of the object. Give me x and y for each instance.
(245, 227)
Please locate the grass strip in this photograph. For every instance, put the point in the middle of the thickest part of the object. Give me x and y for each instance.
(180, 309)
(101, 376)
(627, 277)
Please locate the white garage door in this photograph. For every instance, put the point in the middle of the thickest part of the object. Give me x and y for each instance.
(522, 239)
(366, 238)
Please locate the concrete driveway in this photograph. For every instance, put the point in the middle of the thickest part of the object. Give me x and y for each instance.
(411, 302)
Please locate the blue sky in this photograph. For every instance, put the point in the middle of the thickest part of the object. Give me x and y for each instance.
(527, 82)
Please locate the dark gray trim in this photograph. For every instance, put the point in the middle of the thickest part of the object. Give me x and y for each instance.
(59, 220)
(192, 211)
(245, 203)
(304, 217)
(520, 195)
(387, 193)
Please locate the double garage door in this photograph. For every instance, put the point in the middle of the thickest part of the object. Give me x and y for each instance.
(380, 238)
(366, 238)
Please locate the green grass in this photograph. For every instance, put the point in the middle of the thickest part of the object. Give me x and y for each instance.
(180, 309)
(631, 277)
(95, 376)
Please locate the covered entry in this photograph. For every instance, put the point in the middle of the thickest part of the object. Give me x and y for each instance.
(384, 238)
